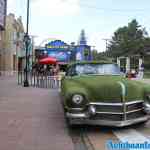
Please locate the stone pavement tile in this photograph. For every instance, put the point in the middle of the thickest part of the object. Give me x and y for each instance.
(31, 118)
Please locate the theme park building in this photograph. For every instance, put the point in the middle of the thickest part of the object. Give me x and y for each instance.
(65, 53)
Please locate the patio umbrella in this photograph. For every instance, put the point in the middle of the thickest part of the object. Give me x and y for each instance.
(48, 60)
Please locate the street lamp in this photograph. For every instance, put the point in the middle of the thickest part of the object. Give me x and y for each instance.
(27, 39)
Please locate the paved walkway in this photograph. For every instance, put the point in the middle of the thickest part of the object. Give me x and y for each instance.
(31, 118)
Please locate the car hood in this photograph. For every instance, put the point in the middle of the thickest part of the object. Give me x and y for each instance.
(106, 88)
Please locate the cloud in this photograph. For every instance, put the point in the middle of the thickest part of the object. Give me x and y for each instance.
(97, 39)
(11, 6)
(55, 7)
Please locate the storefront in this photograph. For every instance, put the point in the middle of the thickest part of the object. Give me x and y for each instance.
(64, 53)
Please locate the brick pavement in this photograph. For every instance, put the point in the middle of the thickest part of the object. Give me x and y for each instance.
(31, 118)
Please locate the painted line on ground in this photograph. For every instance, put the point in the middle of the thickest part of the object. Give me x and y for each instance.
(130, 135)
(99, 137)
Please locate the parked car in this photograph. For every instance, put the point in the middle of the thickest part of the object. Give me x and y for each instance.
(96, 93)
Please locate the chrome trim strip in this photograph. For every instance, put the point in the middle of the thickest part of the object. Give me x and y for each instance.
(75, 116)
(106, 104)
(136, 110)
(109, 123)
(113, 113)
(80, 109)
(134, 102)
(85, 115)
(123, 88)
(117, 104)
(120, 113)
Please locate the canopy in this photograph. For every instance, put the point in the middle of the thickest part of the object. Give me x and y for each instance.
(48, 60)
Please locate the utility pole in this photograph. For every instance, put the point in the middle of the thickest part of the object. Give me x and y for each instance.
(106, 41)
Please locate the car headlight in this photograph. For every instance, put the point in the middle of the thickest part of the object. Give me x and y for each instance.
(77, 99)
(147, 104)
(148, 97)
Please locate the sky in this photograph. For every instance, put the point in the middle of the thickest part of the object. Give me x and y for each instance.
(64, 19)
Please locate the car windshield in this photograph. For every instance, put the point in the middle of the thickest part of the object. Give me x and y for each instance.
(102, 69)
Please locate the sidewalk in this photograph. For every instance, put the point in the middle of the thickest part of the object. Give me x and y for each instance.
(31, 118)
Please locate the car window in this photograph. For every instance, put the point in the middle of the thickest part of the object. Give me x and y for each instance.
(71, 71)
(111, 69)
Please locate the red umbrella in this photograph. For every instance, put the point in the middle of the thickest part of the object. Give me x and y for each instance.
(48, 60)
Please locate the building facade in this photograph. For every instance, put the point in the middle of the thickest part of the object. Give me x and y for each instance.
(3, 9)
(82, 50)
(13, 45)
(66, 53)
(2, 50)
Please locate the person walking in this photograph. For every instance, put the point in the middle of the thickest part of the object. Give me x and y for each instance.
(141, 71)
(55, 75)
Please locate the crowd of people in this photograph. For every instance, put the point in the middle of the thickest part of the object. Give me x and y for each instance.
(51, 70)
(136, 73)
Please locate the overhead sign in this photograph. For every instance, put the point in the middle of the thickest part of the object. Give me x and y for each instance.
(53, 47)
(2, 13)
(57, 44)
(59, 50)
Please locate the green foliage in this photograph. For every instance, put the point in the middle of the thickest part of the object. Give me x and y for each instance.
(86, 52)
(97, 56)
(129, 40)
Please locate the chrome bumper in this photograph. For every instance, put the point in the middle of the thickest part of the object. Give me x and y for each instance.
(87, 116)
(79, 119)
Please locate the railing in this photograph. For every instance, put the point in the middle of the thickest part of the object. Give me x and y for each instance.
(40, 80)
(7, 73)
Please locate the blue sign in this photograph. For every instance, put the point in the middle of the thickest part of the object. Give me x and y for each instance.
(59, 50)
(57, 44)
(60, 56)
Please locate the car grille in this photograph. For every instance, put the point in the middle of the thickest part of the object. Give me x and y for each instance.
(110, 117)
(118, 111)
(105, 108)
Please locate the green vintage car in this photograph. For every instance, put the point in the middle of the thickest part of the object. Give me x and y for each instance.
(97, 93)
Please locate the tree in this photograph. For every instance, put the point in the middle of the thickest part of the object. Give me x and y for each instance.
(128, 40)
(95, 54)
(100, 56)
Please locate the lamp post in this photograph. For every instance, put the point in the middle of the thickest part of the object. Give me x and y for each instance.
(27, 39)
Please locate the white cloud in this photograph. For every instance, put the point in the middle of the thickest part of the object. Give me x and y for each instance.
(97, 39)
(55, 7)
(11, 6)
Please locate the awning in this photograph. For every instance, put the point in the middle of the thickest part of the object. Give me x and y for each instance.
(62, 63)
(48, 60)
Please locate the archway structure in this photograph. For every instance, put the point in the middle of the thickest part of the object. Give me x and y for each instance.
(128, 62)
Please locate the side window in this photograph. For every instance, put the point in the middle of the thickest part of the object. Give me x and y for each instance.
(68, 72)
